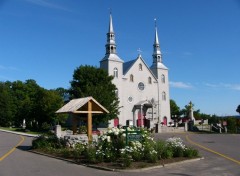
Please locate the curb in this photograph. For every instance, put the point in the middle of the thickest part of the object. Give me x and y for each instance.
(159, 166)
(20, 133)
(71, 161)
(118, 170)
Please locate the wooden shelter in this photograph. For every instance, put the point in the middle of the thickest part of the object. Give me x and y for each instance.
(87, 105)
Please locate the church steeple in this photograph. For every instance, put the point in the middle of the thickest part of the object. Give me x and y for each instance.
(111, 52)
(110, 25)
(157, 55)
(111, 45)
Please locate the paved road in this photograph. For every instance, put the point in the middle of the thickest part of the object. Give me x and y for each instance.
(23, 163)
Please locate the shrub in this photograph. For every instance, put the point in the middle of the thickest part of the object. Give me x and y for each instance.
(90, 154)
(160, 146)
(100, 156)
(111, 147)
(66, 152)
(79, 149)
(48, 141)
(178, 152)
(111, 142)
(137, 150)
(191, 152)
(152, 156)
(45, 126)
(126, 156)
(177, 146)
(167, 153)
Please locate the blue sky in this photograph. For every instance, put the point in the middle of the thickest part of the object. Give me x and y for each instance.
(46, 40)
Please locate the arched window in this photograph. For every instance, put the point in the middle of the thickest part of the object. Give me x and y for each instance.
(131, 78)
(164, 96)
(149, 80)
(115, 72)
(163, 78)
(140, 67)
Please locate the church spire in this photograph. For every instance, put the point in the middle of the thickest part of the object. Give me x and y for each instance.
(110, 24)
(111, 45)
(157, 55)
(156, 42)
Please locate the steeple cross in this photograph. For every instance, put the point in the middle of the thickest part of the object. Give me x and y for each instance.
(139, 51)
(155, 19)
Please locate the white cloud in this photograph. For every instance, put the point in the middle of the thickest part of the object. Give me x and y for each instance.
(181, 85)
(224, 85)
(211, 85)
(232, 86)
(45, 3)
(236, 87)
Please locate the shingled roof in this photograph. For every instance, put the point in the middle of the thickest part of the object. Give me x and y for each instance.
(79, 105)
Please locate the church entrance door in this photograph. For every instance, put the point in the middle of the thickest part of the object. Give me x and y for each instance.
(140, 121)
(116, 122)
(165, 121)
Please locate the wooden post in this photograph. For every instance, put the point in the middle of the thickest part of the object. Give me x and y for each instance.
(89, 131)
(74, 124)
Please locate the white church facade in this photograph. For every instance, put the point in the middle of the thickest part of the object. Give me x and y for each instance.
(143, 91)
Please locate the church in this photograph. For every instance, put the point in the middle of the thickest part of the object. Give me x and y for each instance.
(143, 91)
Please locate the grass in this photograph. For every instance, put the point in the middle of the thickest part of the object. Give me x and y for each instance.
(21, 130)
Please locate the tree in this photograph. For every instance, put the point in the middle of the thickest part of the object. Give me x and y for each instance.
(49, 101)
(238, 109)
(95, 82)
(186, 110)
(175, 110)
(231, 124)
(27, 100)
(64, 93)
(6, 105)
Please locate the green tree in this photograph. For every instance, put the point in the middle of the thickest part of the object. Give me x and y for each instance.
(95, 82)
(175, 110)
(21, 101)
(27, 100)
(48, 102)
(238, 109)
(6, 105)
(185, 111)
(64, 93)
(213, 119)
(231, 124)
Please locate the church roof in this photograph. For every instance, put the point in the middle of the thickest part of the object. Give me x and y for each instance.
(112, 57)
(128, 65)
(159, 65)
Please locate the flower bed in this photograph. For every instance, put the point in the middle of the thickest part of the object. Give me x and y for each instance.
(113, 150)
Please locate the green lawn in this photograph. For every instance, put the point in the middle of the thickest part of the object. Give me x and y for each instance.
(20, 130)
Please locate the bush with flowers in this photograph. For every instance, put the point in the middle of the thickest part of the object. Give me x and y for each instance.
(113, 147)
